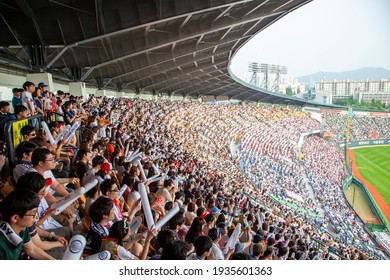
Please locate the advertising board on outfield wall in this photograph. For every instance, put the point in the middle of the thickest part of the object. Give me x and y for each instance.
(366, 143)
(356, 113)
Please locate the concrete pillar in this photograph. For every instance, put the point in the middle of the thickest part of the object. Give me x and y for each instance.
(37, 78)
(101, 92)
(78, 89)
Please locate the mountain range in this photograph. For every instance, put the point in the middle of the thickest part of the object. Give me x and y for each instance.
(373, 73)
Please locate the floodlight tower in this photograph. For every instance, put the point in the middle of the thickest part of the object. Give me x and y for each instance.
(264, 68)
(277, 70)
(254, 68)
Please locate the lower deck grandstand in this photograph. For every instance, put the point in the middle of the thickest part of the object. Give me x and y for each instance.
(224, 167)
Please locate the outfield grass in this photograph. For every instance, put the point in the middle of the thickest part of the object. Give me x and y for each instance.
(374, 165)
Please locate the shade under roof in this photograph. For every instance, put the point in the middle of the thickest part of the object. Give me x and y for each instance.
(179, 47)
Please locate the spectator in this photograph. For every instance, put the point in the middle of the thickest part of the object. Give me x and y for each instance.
(101, 213)
(16, 100)
(27, 99)
(23, 152)
(20, 113)
(28, 132)
(57, 238)
(4, 110)
(18, 212)
(175, 250)
(203, 246)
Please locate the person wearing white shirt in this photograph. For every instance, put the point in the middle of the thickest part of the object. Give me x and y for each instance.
(27, 99)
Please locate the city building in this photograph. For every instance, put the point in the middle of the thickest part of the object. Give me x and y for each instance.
(359, 90)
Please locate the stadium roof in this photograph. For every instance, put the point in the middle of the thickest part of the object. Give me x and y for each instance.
(180, 47)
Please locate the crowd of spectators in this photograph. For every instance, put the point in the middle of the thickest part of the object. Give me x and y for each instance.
(361, 128)
(180, 154)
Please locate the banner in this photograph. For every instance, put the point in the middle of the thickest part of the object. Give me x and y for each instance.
(350, 113)
(16, 127)
(294, 195)
(366, 143)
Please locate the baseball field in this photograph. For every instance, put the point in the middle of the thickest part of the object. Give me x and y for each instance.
(371, 165)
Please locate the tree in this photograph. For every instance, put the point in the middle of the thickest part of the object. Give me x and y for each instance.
(289, 91)
(344, 101)
(372, 105)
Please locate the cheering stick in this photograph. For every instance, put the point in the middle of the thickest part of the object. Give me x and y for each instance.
(47, 132)
(155, 179)
(158, 157)
(142, 170)
(176, 181)
(146, 205)
(135, 223)
(230, 221)
(122, 190)
(88, 186)
(129, 155)
(233, 239)
(75, 248)
(127, 149)
(151, 178)
(155, 169)
(101, 256)
(134, 156)
(167, 217)
(258, 220)
(72, 130)
(63, 203)
(63, 132)
(134, 153)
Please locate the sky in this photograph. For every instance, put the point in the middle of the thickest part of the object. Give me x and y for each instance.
(323, 35)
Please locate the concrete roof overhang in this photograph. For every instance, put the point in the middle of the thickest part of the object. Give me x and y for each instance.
(180, 47)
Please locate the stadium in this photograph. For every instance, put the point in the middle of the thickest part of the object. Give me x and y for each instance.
(130, 139)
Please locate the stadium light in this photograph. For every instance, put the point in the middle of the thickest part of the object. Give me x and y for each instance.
(266, 69)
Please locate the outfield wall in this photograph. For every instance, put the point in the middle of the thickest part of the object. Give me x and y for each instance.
(382, 214)
(366, 143)
(371, 202)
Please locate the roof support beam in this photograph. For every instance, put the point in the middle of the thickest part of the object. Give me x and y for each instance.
(119, 32)
(185, 22)
(72, 8)
(256, 8)
(240, 94)
(222, 14)
(203, 87)
(221, 87)
(169, 43)
(181, 81)
(30, 14)
(199, 59)
(175, 58)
